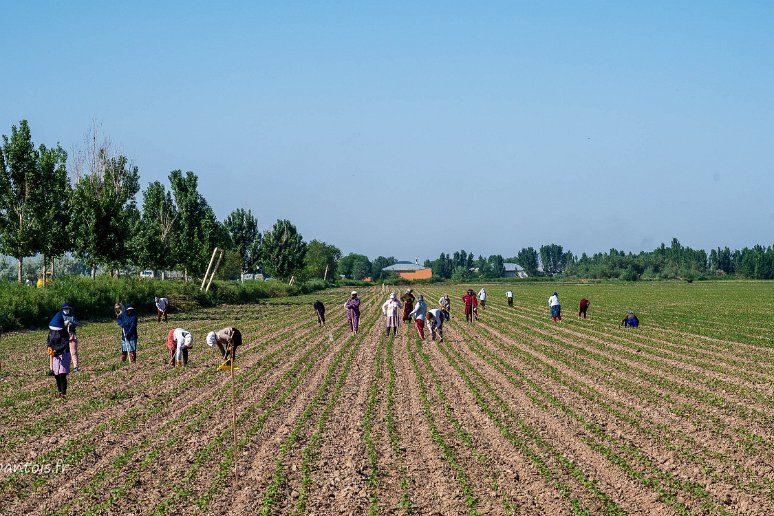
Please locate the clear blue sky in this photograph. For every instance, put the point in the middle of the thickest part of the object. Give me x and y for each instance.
(405, 129)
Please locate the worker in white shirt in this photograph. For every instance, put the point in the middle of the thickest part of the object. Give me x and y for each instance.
(509, 297)
(179, 341)
(162, 303)
(435, 319)
(556, 308)
(482, 297)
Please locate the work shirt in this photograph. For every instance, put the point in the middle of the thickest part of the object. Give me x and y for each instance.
(419, 312)
(553, 301)
(179, 336)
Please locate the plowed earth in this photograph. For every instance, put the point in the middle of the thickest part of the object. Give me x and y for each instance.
(511, 414)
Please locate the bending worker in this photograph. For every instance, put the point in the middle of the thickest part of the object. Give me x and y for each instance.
(179, 341)
(227, 340)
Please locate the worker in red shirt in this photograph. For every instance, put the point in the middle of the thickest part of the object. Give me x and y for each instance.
(582, 307)
(471, 305)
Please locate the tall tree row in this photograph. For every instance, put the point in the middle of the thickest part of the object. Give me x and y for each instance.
(97, 219)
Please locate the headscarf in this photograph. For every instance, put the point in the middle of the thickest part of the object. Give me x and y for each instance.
(57, 322)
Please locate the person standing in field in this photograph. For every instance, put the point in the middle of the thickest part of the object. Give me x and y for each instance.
(509, 297)
(58, 347)
(418, 313)
(319, 308)
(556, 308)
(408, 304)
(353, 311)
(227, 340)
(71, 324)
(126, 319)
(582, 307)
(391, 310)
(445, 304)
(630, 321)
(435, 318)
(471, 305)
(162, 303)
(482, 297)
(179, 341)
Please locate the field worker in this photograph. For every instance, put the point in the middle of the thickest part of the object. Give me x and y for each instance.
(418, 313)
(408, 304)
(471, 305)
(582, 307)
(319, 308)
(630, 320)
(58, 347)
(162, 303)
(226, 338)
(71, 324)
(391, 310)
(435, 318)
(556, 308)
(509, 297)
(445, 304)
(353, 311)
(482, 297)
(126, 319)
(179, 341)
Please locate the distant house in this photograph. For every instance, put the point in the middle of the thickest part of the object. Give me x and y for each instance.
(514, 270)
(410, 271)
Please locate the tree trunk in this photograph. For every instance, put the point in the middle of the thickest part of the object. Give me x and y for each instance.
(93, 271)
(185, 275)
(20, 273)
(45, 268)
(163, 275)
(52, 266)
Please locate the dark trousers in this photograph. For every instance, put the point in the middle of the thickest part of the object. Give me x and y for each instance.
(224, 351)
(172, 353)
(510, 301)
(320, 316)
(160, 314)
(61, 383)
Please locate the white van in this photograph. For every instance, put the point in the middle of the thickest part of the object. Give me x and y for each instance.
(147, 274)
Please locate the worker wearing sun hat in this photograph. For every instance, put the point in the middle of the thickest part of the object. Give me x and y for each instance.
(390, 309)
(227, 340)
(57, 345)
(179, 341)
(353, 311)
(126, 319)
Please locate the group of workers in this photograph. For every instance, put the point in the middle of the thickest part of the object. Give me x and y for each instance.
(409, 307)
(62, 341)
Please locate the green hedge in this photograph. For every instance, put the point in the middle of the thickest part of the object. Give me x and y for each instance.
(24, 306)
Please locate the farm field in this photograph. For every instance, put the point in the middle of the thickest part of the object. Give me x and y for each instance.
(511, 414)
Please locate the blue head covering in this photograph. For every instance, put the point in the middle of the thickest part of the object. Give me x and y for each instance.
(66, 305)
(129, 307)
(57, 321)
(556, 294)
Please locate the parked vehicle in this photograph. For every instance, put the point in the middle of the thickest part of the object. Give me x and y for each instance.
(147, 274)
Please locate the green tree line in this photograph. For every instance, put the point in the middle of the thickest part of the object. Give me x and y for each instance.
(91, 213)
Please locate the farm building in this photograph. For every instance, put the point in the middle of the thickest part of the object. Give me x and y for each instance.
(514, 270)
(410, 271)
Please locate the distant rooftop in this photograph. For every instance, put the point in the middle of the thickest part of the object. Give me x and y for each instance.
(513, 267)
(404, 267)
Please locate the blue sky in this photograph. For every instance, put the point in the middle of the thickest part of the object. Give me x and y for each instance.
(408, 129)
